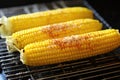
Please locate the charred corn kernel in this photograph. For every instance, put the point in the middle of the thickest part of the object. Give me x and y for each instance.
(70, 48)
(25, 21)
(24, 37)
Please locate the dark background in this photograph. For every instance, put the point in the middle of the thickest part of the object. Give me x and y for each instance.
(109, 10)
(9, 3)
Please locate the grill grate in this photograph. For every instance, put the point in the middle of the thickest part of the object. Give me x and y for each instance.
(102, 67)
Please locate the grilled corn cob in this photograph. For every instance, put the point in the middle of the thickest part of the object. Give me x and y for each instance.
(25, 21)
(24, 37)
(70, 48)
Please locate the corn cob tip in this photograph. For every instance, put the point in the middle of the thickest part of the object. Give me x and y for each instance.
(5, 26)
(22, 59)
(10, 44)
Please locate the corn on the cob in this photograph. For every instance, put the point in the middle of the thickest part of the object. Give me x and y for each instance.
(25, 21)
(70, 48)
(24, 37)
